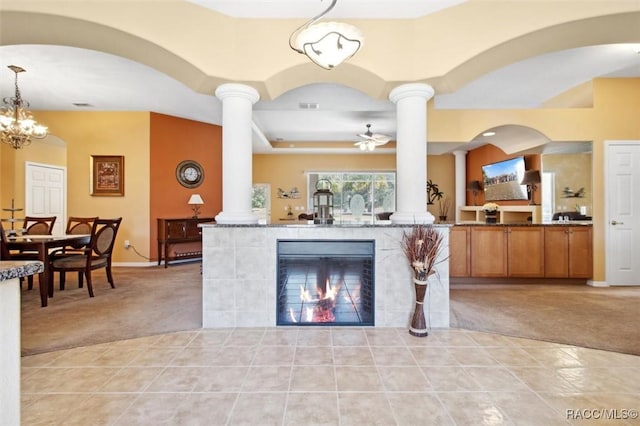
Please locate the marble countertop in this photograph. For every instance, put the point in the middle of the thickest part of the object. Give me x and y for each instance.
(550, 223)
(10, 269)
(382, 224)
(309, 224)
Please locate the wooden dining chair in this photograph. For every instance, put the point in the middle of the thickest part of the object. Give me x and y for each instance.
(5, 254)
(79, 225)
(4, 250)
(33, 225)
(38, 225)
(95, 256)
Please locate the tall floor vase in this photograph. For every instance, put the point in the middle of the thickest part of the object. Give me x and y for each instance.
(418, 326)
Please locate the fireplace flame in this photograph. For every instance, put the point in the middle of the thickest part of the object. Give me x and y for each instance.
(304, 295)
(322, 309)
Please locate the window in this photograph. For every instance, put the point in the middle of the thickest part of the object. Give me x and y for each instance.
(376, 189)
(260, 201)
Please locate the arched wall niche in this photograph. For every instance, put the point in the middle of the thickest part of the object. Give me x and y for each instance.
(565, 167)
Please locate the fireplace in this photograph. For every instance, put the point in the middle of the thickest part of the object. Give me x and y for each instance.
(325, 282)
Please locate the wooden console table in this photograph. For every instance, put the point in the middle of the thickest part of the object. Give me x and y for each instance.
(179, 231)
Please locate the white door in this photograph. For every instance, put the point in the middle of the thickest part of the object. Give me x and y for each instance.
(622, 227)
(45, 188)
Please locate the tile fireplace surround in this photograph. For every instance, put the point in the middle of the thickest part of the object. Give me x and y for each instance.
(239, 273)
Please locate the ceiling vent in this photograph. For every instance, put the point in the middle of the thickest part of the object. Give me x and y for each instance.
(309, 105)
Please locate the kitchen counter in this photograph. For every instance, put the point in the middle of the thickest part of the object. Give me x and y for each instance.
(10, 269)
(549, 223)
(310, 224)
(10, 274)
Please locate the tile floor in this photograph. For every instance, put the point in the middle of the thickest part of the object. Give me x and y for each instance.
(329, 376)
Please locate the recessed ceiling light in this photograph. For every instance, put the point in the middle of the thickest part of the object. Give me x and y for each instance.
(488, 134)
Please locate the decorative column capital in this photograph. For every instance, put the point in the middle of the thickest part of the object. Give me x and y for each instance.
(235, 90)
(411, 90)
(459, 152)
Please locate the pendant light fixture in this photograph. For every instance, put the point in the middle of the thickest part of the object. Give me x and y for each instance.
(327, 44)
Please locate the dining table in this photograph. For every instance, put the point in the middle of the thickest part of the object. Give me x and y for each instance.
(43, 245)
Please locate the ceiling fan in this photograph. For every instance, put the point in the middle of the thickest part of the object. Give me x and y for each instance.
(371, 140)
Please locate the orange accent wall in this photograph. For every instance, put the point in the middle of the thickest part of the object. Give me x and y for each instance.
(488, 154)
(173, 140)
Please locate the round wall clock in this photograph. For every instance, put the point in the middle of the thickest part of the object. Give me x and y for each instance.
(189, 173)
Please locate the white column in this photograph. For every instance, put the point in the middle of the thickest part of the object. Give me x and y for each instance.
(461, 180)
(237, 109)
(411, 153)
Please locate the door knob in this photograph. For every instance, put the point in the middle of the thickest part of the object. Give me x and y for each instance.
(614, 222)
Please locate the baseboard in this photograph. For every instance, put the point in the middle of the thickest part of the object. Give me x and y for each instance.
(524, 281)
(135, 264)
(593, 283)
(155, 263)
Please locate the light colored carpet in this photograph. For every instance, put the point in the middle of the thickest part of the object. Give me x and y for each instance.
(154, 300)
(146, 301)
(599, 318)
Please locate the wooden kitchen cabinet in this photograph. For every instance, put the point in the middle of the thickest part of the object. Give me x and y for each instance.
(507, 251)
(568, 252)
(525, 245)
(459, 248)
(513, 251)
(489, 251)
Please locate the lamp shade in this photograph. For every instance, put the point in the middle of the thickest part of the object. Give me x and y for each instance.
(531, 177)
(195, 199)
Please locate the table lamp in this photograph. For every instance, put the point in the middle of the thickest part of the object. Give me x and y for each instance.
(195, 201)
(531, 179)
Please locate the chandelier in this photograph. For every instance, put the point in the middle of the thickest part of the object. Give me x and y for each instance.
(17, 125)
(327, 44)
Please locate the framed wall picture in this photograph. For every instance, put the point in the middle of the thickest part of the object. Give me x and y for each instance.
(107, 175)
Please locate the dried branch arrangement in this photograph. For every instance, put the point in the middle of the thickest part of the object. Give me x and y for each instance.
(422, 247)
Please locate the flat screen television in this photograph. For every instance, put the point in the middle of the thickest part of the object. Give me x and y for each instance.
(502, 180)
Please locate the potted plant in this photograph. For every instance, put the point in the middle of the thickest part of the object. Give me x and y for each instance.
(490, 212)
(433, 192)
(444, 204)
